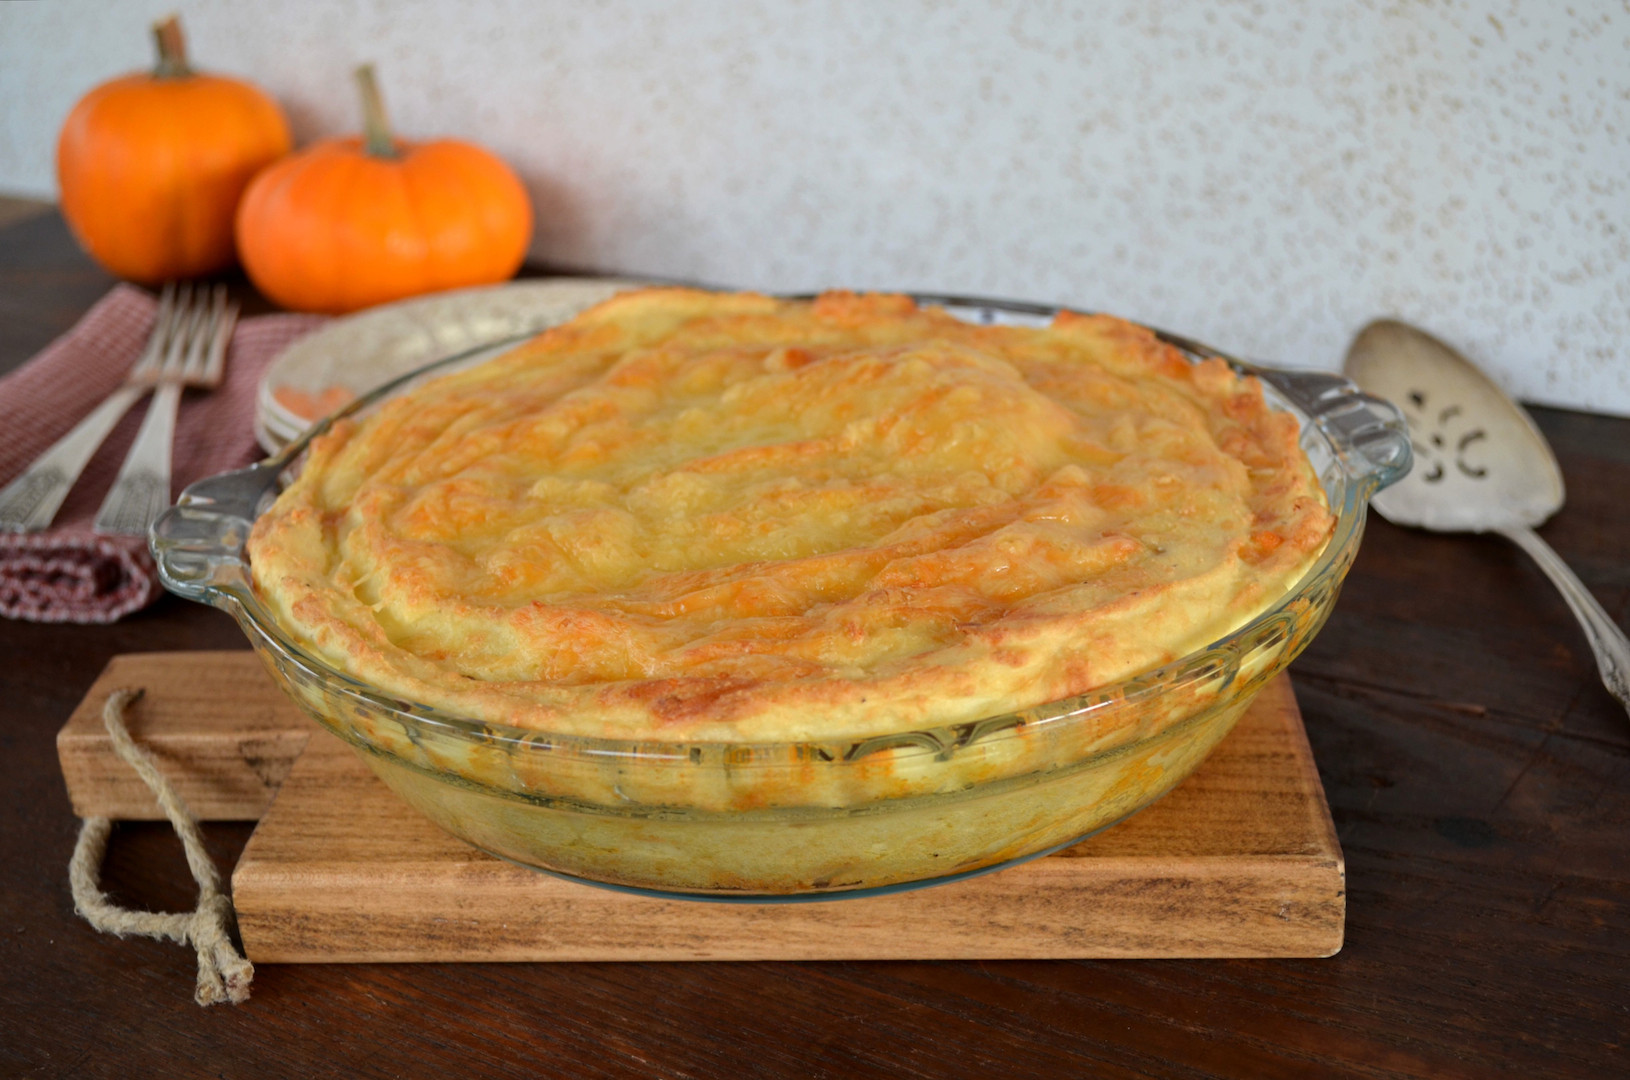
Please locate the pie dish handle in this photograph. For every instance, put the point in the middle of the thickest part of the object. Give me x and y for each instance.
(1369, 433)
(199, 543)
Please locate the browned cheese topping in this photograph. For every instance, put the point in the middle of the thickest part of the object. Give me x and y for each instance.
(688, 515)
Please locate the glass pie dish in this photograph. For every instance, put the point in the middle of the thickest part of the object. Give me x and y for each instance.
(815, 818)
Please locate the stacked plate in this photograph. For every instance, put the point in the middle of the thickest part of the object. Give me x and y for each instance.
(350, 356)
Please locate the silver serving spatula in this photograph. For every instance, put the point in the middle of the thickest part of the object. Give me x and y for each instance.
(1480, 466)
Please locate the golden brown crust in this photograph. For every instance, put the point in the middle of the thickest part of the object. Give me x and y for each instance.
(689, 515)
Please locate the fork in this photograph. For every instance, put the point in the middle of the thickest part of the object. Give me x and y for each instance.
(194, 354)
(32, 500)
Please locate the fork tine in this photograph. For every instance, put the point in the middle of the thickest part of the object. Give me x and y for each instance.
(181, 332)
(197, 341)
(205, 314)
(147, 364)
(175, 338)
(226, 321)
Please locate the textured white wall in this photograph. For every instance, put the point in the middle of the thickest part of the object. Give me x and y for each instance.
(1263, 176)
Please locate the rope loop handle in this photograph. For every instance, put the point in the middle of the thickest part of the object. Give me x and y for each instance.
(223, 973)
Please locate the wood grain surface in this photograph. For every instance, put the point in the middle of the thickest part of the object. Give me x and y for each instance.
(1477, 773)
(220, 730)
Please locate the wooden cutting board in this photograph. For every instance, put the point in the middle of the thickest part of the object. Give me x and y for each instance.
(1240, 860)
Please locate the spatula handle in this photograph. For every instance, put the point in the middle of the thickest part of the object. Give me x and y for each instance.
(1606, 639)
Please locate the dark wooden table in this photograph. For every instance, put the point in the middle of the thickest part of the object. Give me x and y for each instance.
(1478, 773)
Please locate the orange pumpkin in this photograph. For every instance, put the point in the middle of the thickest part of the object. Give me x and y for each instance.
(353, 222)
(151, 166)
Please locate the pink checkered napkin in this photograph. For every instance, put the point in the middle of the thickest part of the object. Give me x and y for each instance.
(68, 573)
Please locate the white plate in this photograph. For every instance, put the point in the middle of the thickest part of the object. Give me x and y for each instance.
(355, 354)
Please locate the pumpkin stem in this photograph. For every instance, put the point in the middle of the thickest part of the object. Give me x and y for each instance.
(376, 129)
(172, 49)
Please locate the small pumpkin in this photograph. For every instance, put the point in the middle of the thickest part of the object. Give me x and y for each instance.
(352, 222)
(152, 165)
